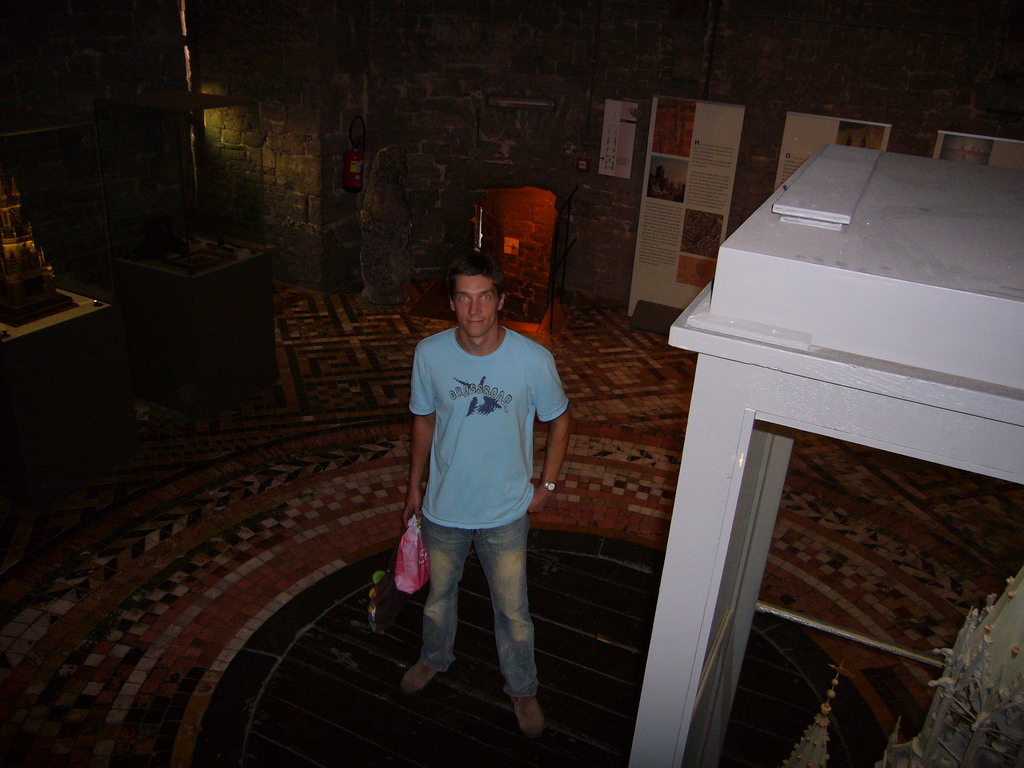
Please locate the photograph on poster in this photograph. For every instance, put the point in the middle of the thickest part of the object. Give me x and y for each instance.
(667, 179)
(804, 134)
(980, 150)
(966, 149)
(702, 233)
(673, 127)
(695, 271)
(854, 134)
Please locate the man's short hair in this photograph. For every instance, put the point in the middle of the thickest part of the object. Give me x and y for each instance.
(475, 263)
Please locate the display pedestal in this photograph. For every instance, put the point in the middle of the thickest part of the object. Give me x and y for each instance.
(199, 343)
(66, 413)
(900, 331)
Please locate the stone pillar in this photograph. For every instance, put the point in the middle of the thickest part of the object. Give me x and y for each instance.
(386, 221)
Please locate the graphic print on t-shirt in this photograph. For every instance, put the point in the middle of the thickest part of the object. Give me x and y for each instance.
(483, 399)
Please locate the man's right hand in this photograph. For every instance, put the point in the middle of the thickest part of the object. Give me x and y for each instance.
(413, 502)
(419, 456)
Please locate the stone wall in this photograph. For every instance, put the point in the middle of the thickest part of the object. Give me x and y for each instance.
(420, 72)
(57, 58)
(294, 58)
(922, 66)
(429, 83)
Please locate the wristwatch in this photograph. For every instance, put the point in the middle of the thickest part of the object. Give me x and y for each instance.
(549, 486)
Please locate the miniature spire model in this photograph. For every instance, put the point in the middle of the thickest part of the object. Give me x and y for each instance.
(976, 719)
(812, 750)
(27, 290)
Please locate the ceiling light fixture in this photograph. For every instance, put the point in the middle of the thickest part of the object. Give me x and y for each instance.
(520, 102)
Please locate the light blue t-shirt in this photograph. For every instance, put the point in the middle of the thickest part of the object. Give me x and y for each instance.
(481, 458)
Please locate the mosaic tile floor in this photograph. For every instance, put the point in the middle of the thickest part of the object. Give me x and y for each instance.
(121, 607)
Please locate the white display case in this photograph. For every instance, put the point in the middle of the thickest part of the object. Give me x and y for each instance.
(875, 298)
(183, 178)
(928, 271)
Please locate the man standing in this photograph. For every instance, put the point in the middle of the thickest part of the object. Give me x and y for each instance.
(476, 390)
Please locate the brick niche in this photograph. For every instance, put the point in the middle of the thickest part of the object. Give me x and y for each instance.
(527, 215)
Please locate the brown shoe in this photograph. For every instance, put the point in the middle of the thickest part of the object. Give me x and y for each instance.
(416, 677)
(529, 714)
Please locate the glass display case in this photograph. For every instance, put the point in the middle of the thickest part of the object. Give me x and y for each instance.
(52, 189)
(183, 177)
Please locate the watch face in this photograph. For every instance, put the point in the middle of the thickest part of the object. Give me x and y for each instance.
(549, 486)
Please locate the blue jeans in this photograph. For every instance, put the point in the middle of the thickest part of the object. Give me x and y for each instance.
(502, 554)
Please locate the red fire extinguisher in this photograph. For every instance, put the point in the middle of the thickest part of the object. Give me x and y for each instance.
(354, 160)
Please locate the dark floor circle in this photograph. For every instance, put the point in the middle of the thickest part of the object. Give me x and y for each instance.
(315, 687)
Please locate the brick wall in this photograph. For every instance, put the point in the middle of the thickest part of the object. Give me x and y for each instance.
(527, 215)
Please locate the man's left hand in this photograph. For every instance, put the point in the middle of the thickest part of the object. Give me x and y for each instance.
(540, 498)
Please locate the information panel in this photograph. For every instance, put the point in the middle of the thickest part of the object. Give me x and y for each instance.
(617, 138)
(984, 150)
(691, 166)
(806, 134)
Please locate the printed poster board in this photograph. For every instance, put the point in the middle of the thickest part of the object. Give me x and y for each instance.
(691, 167)
(984, 150)
(806, 134)
(617, 138)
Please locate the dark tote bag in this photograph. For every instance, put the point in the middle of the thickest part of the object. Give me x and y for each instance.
(386, 600)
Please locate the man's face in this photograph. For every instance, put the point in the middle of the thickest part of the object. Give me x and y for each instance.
(476, 306)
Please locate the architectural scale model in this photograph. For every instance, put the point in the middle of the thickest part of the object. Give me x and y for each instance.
(812, 749)
(976, 719)
(27, 290)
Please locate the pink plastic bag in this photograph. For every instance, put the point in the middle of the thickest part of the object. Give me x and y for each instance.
(412, 566)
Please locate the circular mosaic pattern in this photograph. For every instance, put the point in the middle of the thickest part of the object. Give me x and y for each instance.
(121, 610)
